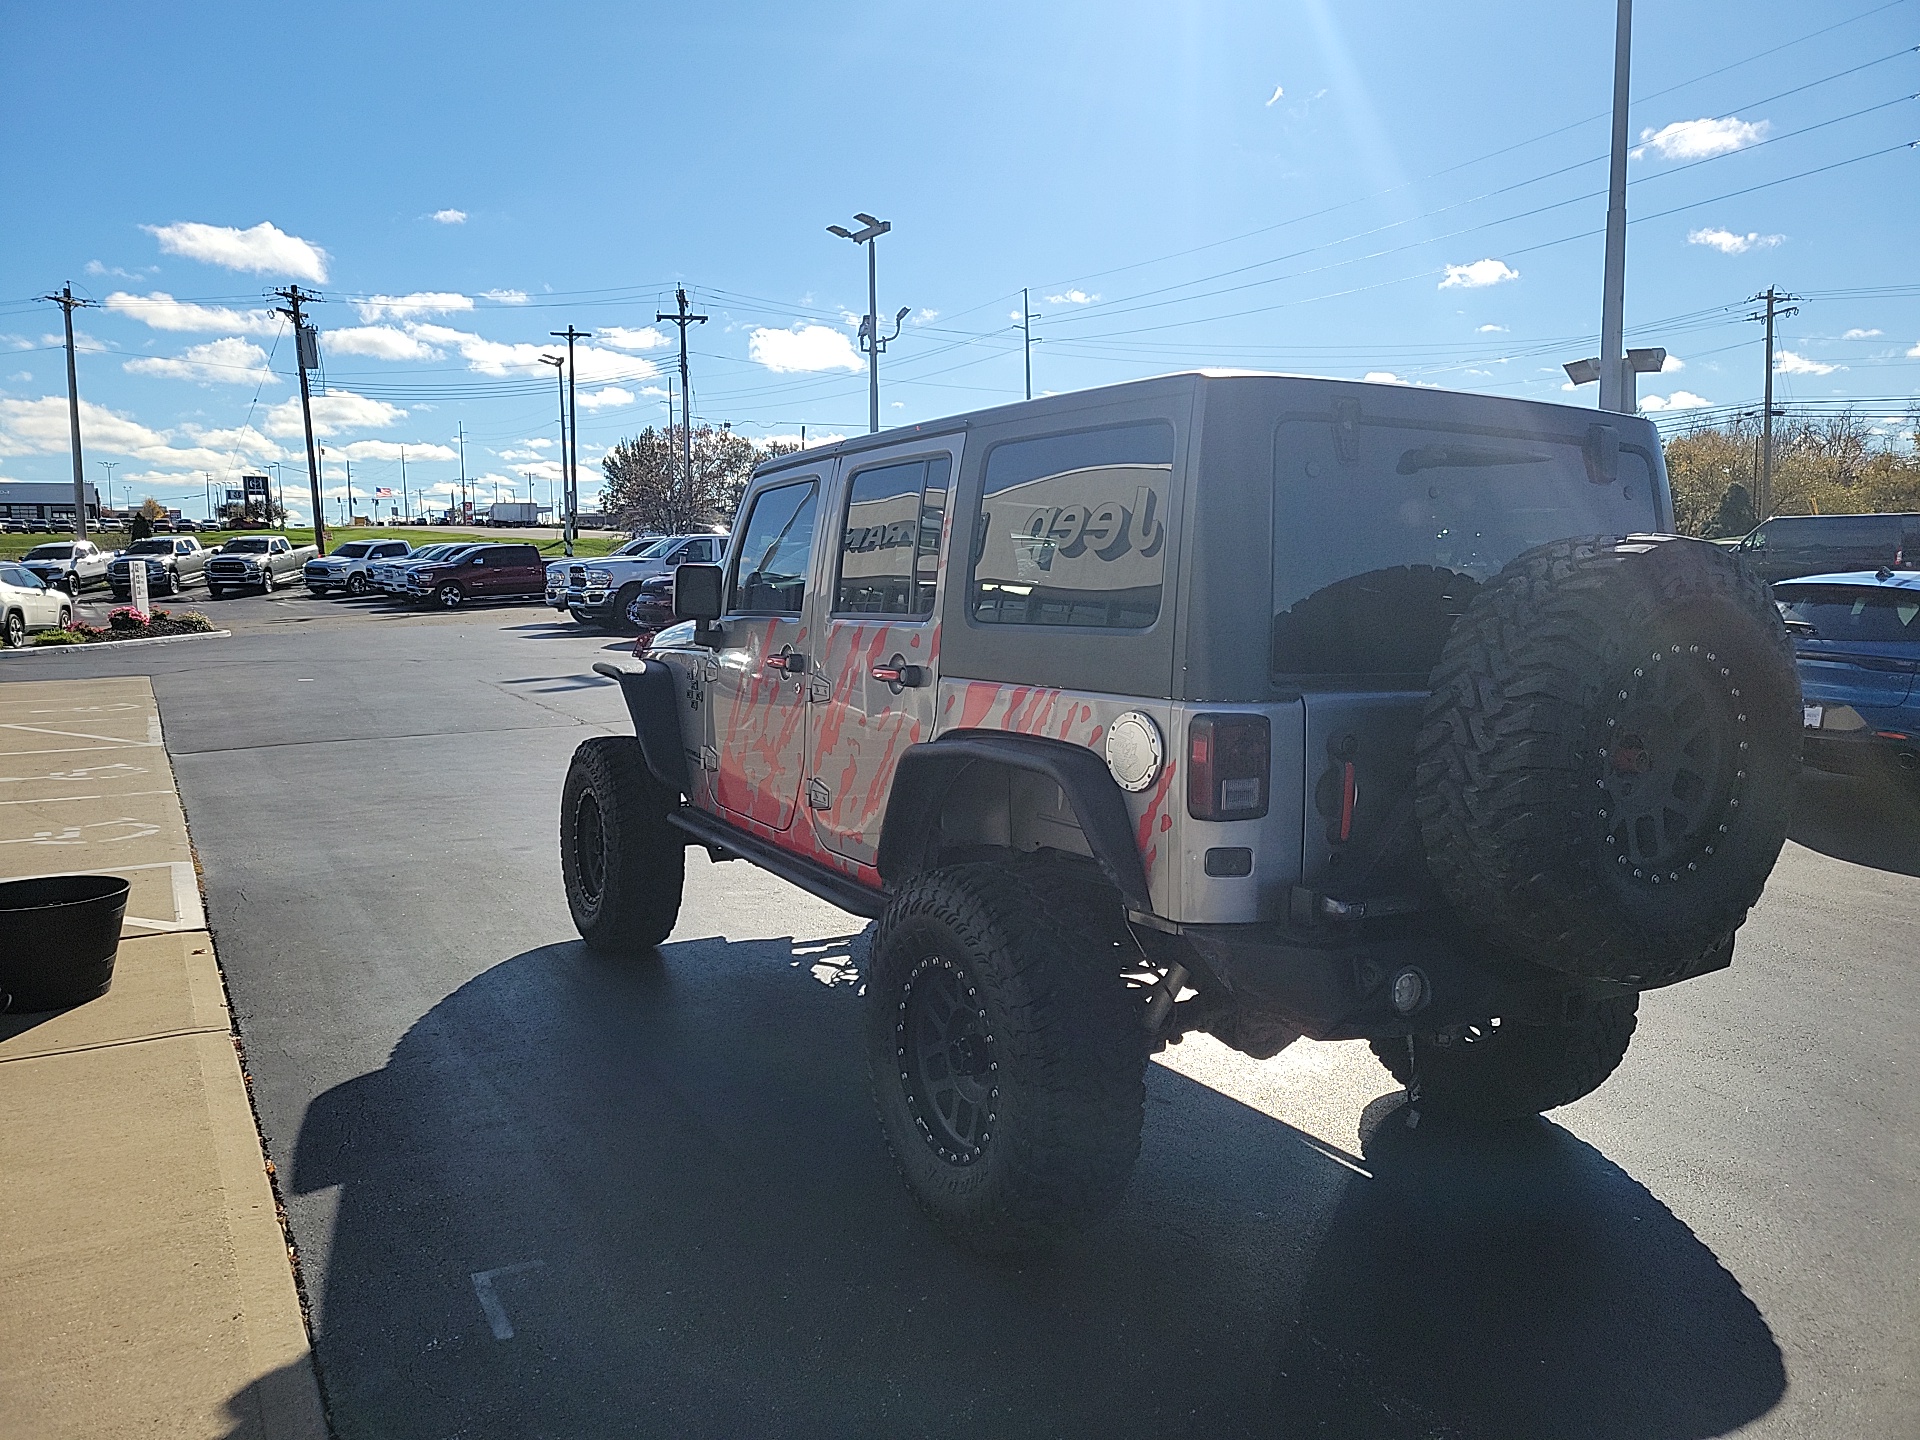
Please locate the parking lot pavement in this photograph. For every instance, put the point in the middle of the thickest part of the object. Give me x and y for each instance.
(144, 1283)
(537, 1191)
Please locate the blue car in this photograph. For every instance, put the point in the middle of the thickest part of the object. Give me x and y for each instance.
(1857, 638)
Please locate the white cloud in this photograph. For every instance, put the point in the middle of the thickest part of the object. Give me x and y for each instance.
(1279, 94)
(39, 427)
(231, 361)
(1492, 330)
(1788, 363)
(263, 250)
(1914, 353)
(601, 399)
(814, 437)
(924, 316)
(1671, 364)
(160, 311)
(1070, 297)
(1701, 139)
(594, 365)
(1478, 275)
(95, 267)
(1858, 334)
(1678, 400)
(622, 338)
(1727, 242)
(505, 297)
(380, 342)
(333, 412)
(410, 307)
(83, 342)
(390, 450)
(804, 348)
(450, 217)
(1382, 377)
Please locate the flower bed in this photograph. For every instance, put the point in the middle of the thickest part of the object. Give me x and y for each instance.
(127, 623)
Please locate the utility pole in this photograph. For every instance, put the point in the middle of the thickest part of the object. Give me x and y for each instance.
(68, 304)
(683, 319)
(568, 497)
(463, 474)
(1027, 317)
(1613, 369)
(307, 351)
(1763, 502)
(871, 340)
(346, 517)
(560, 375)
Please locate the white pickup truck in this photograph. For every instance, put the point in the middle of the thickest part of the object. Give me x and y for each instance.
(601, 592)
(255, 562)
(347, 567)
(69, 565)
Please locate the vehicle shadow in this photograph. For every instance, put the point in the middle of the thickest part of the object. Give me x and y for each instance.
(594, 1197)
(1864, 822)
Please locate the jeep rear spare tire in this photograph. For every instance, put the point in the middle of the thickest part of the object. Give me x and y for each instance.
(1608, 754)
(623, 863)
(1008, 1059)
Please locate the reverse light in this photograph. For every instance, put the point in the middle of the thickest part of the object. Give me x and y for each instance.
(1227, 767)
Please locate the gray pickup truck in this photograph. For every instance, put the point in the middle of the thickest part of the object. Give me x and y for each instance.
(172, 561)
(255, 562)
(69, 565)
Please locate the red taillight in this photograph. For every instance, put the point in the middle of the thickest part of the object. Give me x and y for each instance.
(1227, 763)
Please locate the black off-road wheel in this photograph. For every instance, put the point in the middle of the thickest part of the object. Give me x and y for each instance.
(1504, 1071)
(1608, 756)
(622, 863)
(1008, 1059)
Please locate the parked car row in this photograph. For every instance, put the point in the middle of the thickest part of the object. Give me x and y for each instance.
(612, 593)
(447, 575)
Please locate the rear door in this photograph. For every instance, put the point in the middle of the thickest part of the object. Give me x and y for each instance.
(522, 572)
(758, 683)
(872, 688)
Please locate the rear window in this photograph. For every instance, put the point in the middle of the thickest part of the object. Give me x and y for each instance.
(1071, 529)
(1851, 612)
(890, 544)
(1382, 533)
(50, 552)
(150, 547)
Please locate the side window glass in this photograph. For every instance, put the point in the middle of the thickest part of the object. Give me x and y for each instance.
(890, 544)
(1072, 529)
(771, 575)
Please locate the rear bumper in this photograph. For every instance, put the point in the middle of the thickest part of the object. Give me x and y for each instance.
(1861, 752)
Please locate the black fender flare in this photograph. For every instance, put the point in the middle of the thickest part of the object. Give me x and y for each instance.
(927, 770)
(652, 698)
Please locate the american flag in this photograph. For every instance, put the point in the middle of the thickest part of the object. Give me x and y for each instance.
(383, 490)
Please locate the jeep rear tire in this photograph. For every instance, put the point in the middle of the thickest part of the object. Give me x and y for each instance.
(1504, 1071)
(1008, 1059)
(1608, 756)
(623, 864)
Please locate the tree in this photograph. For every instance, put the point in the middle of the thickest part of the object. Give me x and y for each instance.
(1832, 466)
(645, 491)
(152, 508)
(1736, 512)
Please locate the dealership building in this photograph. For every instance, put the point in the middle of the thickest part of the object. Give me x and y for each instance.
(44, 503)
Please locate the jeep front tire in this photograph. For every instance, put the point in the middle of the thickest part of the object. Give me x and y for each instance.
(1507, 1071)
(623, 864)
(1008, 1059)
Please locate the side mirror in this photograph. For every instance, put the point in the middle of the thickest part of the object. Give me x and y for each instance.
(697, 592)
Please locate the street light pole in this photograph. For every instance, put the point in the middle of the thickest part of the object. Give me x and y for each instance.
(559, 364)
(1613, 370)
(871, 340)
(108, 466)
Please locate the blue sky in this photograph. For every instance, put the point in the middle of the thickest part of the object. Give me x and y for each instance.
(1381, 188)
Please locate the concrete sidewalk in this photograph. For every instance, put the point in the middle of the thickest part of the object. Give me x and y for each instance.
(145, 1287)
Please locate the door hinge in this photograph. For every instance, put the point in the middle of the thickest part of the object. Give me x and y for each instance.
(818, 796)
(709, 758)
(819, 690)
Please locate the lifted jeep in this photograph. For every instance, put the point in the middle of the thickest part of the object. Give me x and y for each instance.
(1263, 706)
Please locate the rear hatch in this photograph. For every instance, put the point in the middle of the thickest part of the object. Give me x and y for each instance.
(1384, 530)
(1858, 645)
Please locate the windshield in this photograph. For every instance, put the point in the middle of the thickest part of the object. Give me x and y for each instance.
(245, 547)
(653, 549)
(1851, 612)
(50, 552)
(1383, 532)
(352, 550)
(150, 547)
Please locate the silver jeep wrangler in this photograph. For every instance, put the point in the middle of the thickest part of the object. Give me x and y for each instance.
(1264, 706)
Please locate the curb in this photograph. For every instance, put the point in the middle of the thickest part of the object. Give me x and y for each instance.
(91, 646)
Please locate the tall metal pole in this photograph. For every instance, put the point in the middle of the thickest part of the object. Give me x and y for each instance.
(403, 482)
(68, 305)
(1613, 359)
(560, 368)
(1026, 336)
(307, 357)
(1775, 310)
(873, 341)
(109, 466)
(681, 318)
(463, 474)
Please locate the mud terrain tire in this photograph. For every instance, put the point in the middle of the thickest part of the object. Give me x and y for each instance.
(623, 864)
(1607, 758)
(1008, 1059)
(1507, 1071)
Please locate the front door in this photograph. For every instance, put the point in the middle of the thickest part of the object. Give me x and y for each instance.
(758, 695)
(873, 684)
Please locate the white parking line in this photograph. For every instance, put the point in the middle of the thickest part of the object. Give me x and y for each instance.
(490, 1300)
(153, 725)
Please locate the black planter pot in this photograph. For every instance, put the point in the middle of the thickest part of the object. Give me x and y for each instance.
(58, 937)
